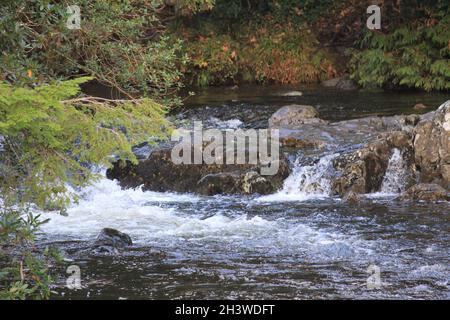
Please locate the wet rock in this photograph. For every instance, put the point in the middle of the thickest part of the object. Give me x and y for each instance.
(142, 151)
(219, 183)
(345, 133)
(352, 197)
(344, 83)
(294, 116)
(234, 182)
(365, 146)
(432, 147)
(159, 173)
(428, 192)
(113, 238)
(252, 182)
(297, 142)
(363, 170)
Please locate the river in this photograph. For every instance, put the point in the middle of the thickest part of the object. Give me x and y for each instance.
(299, 243)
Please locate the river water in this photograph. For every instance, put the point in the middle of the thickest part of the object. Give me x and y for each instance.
(299, 243)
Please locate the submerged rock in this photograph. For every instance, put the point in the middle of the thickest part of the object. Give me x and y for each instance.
(432, 147)
(293, 116)
(429, 192)
(110, 241)
(338, 135)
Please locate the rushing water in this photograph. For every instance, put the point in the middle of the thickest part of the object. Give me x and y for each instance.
(299, 243)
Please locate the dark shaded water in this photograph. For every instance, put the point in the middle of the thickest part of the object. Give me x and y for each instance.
(292, 245)
(253, 105)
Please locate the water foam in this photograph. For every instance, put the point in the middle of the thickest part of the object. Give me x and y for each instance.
(151, 218)
(105, 204)
(394, 181)
(226, 124)
(306, 182)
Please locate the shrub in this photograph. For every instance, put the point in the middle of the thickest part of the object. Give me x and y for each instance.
(120, 43)
(49, 137)
(414, 55)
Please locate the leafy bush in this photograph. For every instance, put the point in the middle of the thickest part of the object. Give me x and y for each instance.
(413, 56)
(288, 54)
(261, 52)
(24, 273)
(121, 44)
(48, 138)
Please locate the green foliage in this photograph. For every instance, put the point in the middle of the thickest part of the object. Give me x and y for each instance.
(280, 11)
(257, 52)
(47, 140)
(49, 137)
(23, 273)
(414, 57)
(121, 44)
(289, 54)
(190, 7)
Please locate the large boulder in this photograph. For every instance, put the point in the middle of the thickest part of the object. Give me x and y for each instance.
(363, 170)
(159, 173)
(429, 192)
(432, 147)
(293, 116)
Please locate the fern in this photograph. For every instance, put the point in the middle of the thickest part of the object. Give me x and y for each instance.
(411, 57)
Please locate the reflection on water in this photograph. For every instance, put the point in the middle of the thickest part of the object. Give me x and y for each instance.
(253, 105)
(297, 244)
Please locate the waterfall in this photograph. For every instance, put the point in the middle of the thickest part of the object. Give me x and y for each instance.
(306, 181)
(395, 178)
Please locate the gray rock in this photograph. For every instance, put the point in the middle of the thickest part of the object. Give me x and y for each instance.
(219, 183)
(428, 192)
(362, 171)
(294, 116)
(432, 147)
(112, 238)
